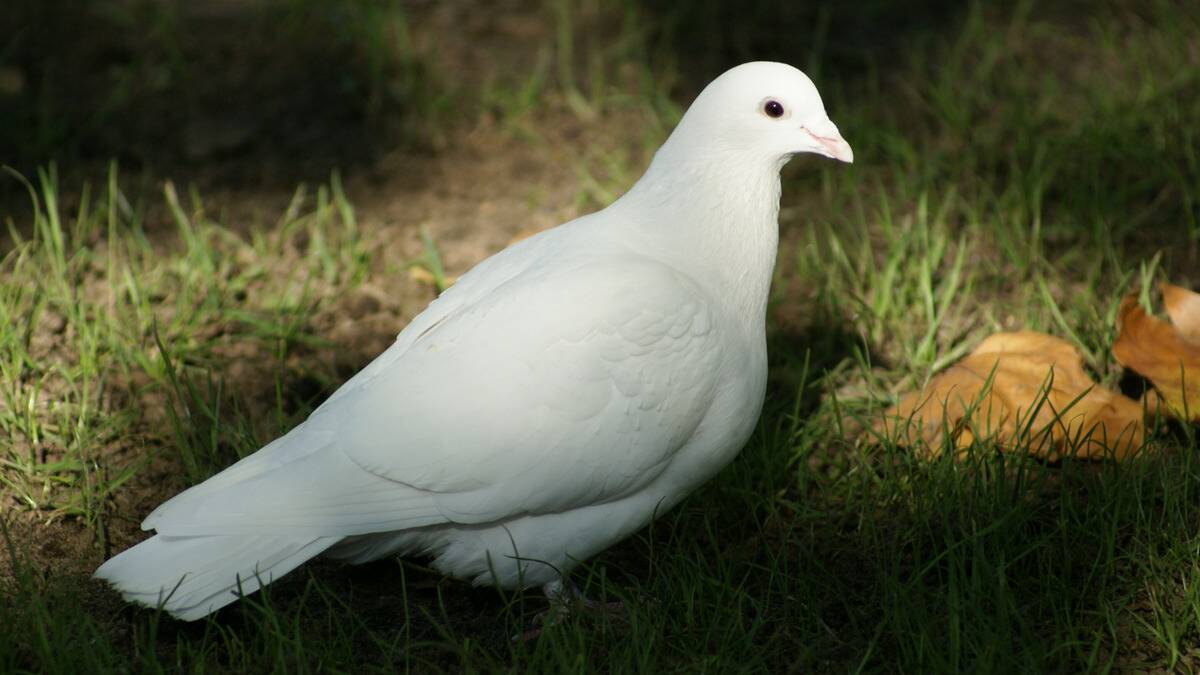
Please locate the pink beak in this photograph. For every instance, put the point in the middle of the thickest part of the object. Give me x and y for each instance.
(826, 134)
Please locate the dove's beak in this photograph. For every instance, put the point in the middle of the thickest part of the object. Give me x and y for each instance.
(829, 141)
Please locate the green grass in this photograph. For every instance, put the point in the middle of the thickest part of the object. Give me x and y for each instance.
(1016, 168)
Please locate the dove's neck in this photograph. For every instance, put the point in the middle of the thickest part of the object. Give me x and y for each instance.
(716, 219)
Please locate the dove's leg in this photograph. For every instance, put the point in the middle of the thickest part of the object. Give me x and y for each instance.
(560, 591)
(565, 597)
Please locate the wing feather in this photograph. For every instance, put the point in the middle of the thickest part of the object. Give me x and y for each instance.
(555, 389)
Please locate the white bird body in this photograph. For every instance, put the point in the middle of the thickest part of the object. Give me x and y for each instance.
(549, 404)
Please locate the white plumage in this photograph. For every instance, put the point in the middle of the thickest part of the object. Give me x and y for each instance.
(547, 405)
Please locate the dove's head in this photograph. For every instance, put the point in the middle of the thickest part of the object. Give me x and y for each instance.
(762, 109)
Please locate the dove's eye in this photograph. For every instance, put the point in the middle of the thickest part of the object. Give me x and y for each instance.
(773, 108)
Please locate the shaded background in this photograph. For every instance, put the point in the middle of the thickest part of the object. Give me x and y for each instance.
(262, 94)
(161, 82)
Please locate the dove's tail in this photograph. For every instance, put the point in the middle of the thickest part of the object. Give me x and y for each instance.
(191, 577)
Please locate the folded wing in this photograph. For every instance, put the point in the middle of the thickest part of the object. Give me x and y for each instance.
(558, 388)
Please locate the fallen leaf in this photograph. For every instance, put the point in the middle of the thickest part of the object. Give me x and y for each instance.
(1024, 391)
(1167, 355)
(1183, 306)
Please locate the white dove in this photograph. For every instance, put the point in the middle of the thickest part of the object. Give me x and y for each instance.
(548, 405)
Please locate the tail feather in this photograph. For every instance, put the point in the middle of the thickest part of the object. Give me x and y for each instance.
(191, 577)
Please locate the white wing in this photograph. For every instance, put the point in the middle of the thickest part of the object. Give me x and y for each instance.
(557, 388)
(303, 440)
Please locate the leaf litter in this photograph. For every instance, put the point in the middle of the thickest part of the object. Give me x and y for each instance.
(1167, 354)
(1029, 392)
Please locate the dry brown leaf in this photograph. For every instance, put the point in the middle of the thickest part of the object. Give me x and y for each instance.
(1183, 306)
(1167, 355)
(1074, 417)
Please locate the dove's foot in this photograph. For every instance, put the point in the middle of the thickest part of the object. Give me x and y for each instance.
(565, 598)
